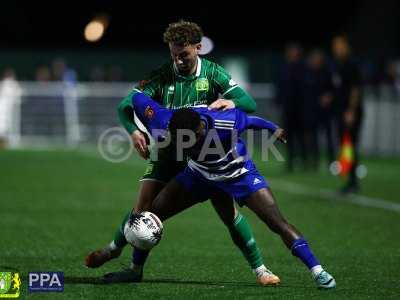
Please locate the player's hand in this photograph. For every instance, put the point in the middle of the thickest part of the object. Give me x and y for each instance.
(222, 104)
(139, 142)
(280, 134)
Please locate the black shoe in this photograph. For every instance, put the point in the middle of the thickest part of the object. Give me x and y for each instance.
(126, 275)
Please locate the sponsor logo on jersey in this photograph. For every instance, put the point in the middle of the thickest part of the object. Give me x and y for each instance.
(149, 112)
(202, 84)
(171, 89)
(232, 82)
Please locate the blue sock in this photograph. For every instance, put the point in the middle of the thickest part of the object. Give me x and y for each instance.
(301, 250)
(139, 256)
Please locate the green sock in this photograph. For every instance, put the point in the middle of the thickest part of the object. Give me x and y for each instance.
(119, 237)
(243, 238)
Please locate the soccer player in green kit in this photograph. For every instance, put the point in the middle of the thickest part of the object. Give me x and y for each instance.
(185, 81)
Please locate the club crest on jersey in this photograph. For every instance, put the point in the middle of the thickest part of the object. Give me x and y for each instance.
(202, 84)
(149, 112)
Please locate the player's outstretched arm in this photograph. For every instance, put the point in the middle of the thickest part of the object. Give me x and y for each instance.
(257, 123)
(253, 122)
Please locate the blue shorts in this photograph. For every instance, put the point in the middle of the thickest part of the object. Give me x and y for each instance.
(239, 188)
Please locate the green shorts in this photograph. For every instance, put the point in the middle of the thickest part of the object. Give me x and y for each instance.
(163, 171)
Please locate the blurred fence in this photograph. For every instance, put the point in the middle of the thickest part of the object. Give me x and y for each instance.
(57, 114)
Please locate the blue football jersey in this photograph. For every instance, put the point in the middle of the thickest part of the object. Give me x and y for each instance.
(224, 155)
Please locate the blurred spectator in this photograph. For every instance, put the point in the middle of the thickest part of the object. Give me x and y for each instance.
(43, 74)
(61, 72)
(10, 96)
(290, 97)
(317, 108)
(347, 101)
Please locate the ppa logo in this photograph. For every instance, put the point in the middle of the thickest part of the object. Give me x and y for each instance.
(46, 282)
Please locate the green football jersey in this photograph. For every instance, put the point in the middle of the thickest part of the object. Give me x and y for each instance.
(172, 90)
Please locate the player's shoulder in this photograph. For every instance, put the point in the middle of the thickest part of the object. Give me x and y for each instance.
(211, 65)
(208, 63)
(213, 70)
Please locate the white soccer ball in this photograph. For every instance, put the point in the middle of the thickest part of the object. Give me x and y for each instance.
(143, 230)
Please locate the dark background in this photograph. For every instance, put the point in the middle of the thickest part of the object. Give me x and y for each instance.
(140, 24)
(34, 34)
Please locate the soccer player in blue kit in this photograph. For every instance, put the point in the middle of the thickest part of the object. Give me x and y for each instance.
(227, 170)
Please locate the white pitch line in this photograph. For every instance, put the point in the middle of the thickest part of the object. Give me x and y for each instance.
(299, 189)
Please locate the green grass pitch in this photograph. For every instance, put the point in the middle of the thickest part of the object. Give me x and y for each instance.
(56, 206)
